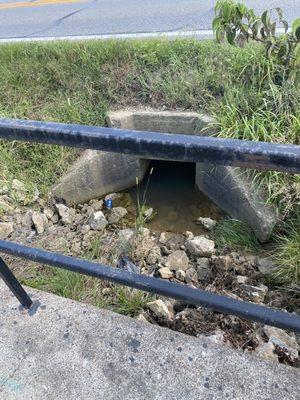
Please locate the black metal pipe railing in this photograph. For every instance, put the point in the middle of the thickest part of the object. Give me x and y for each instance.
(199, 297)
(154, 145)
(264, 156)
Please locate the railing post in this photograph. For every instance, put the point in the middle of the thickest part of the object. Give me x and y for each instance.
(14, 285)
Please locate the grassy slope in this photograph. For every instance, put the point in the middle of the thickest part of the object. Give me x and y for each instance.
(79, 82)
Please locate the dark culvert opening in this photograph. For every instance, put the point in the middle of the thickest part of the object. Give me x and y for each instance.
(172, 194)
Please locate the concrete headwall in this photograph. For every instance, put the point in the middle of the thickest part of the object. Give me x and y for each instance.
(97, 173)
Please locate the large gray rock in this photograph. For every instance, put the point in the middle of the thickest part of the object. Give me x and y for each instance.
(65, 350)
(98, 221)
(39, 221)
(231, 190)
(283, 340)
(201, 246)
(177, 260)
(159, 308)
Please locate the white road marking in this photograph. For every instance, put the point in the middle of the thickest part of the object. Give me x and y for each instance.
(199, 34)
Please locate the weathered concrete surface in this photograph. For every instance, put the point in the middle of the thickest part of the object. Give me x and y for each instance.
(230, 189)
(62, 349)
(97, 173)
(187, 123)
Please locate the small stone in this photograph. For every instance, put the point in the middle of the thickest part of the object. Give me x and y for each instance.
(201, 246)
(159, 308)
(278, 337)
(189, 235)
(217, 337)
(191, 275)
(252, 260)
(254, 293)
(38, 222)
(70, 236)
(27, 219)
(165, 237)
(144, 233)
(55, 218)
(84, 229)
(96, 205)
(88, 210)
(113, 196)
(177, 260)
(6, 228)
(49, 212)
(148, 213)
(208, 223)
(203, 269)
(67, 214)
(97, 221)
(266, 351)
(125, 235)
(223, 262)
(116, 214)
(154, 255)
(180, 275)
(141, 317)
(165, 273)
(241, 279)
(165, 251)
(170, 307)
(78, 219)
(232, 295)
(75, 248)
(106, 291)
(35, 196)
(266, 265)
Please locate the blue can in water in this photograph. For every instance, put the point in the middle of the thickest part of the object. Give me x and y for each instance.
(109, 203)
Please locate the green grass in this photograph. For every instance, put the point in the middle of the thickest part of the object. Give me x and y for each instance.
(131, 301)
(286, 249)
(88, 290)
(235, 234)
(79, 83)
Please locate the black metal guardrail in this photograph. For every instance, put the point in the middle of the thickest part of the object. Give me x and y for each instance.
(258, 155)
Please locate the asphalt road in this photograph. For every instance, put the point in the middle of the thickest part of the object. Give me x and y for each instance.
(60, 18)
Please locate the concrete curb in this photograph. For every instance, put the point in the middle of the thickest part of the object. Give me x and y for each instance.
(63, 349)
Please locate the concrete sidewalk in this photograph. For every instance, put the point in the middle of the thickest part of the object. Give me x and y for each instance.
(62, 349)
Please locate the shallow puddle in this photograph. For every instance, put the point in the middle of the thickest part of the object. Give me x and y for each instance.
(172, 194)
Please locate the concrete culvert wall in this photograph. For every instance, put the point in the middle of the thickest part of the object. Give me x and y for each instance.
(98, 173)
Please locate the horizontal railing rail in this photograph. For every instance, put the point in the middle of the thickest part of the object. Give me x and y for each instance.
(258, 155)
(199, 297)
(155, 145)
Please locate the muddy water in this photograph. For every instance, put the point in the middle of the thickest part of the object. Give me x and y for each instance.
(172, 194)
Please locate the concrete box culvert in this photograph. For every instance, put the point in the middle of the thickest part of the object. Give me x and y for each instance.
(98, 173)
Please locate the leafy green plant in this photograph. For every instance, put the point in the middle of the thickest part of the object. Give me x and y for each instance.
(239, 24)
